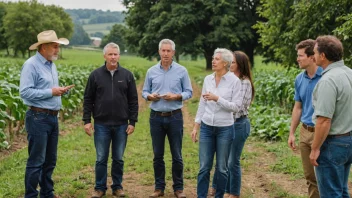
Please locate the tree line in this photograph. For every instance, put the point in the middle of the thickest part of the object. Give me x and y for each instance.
(92, 16)
(270, 28)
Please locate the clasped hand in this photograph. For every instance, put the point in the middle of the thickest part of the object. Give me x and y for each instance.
(168, 96)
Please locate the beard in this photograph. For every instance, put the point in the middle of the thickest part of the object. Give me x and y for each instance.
(54, 57)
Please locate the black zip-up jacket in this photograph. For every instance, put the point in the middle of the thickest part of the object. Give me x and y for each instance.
(112, 100)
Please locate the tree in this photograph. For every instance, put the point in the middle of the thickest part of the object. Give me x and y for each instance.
(345, 33)
(24, 20)
(195, 26)
(116, 35)
(3, 39)
(295, 21)
(80, 37)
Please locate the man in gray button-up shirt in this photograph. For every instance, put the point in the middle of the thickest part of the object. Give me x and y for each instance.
(332, 102)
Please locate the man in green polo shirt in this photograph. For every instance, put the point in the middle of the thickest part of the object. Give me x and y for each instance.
(332, 102)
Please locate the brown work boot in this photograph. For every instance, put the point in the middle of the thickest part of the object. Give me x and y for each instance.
(180, 194)
(212, 191)
(157, 193)
(56, 196)
(97, 194)
(118, 193)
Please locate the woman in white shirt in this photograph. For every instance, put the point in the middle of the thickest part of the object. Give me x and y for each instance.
(241, 67)
(220, 99)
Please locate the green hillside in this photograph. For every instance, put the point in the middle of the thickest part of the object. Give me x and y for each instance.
(99, 27)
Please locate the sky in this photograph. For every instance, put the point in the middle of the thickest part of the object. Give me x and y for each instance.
(112, 5)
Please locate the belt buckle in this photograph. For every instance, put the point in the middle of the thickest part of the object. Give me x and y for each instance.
(164, 113)
(310, 128)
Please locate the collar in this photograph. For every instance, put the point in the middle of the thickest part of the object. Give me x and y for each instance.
(42, 59)
(117, 69)
(319, 72)
(161, 67)
(334, 65)
(225, 76)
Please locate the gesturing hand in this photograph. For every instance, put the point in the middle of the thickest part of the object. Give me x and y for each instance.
(210, 96)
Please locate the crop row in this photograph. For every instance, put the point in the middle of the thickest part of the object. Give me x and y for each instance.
(12, 109)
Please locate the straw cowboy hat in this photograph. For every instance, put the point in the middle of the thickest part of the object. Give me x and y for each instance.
(48, 36)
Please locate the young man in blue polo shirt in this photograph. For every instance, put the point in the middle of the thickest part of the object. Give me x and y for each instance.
(303, 110)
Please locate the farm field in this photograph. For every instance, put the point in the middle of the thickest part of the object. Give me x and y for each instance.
(100, 27)
(270, 168)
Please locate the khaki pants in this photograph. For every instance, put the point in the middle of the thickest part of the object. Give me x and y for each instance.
(305, 143)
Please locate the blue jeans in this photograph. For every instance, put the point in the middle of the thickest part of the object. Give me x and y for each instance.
(213, 140)
(334, 166)
(242, 130)
(43, 135)
(103, 136)
(172, 127)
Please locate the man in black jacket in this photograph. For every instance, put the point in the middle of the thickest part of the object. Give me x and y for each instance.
(111, 98)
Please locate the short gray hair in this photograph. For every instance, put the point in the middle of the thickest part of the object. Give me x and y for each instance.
(226, 56)
(111, 45)
(167, 41)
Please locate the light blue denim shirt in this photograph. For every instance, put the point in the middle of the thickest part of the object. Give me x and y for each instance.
(38, 77)
(175, 80)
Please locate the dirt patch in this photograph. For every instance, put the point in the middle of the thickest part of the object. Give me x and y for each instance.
(142, 103)
(258, 180)
(20, 142)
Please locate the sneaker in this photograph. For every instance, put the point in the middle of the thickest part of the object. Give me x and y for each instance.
(118, 193)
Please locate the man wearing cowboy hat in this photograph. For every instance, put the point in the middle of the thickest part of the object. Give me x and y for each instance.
(40, 91)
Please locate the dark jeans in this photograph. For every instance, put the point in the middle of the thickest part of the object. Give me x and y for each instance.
(241, 133)
(213, 140)
(43, 135)
(103, 136)
(172, 127)
(334, 167)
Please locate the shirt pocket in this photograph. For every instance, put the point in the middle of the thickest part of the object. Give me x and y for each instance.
(176, 86)
(225, 93)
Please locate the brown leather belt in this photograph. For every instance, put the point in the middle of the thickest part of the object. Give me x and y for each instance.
(51, 112)
(340, 135)
(308, 128)
(166, 114)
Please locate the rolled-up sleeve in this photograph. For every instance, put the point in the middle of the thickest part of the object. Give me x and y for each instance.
(187, 90)
(147, 86)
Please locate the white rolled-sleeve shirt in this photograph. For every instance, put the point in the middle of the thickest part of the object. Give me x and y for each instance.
(220, 113)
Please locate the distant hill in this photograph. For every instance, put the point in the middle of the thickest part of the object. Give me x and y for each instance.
(92, 29)
(92, 23)
(92, 16)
